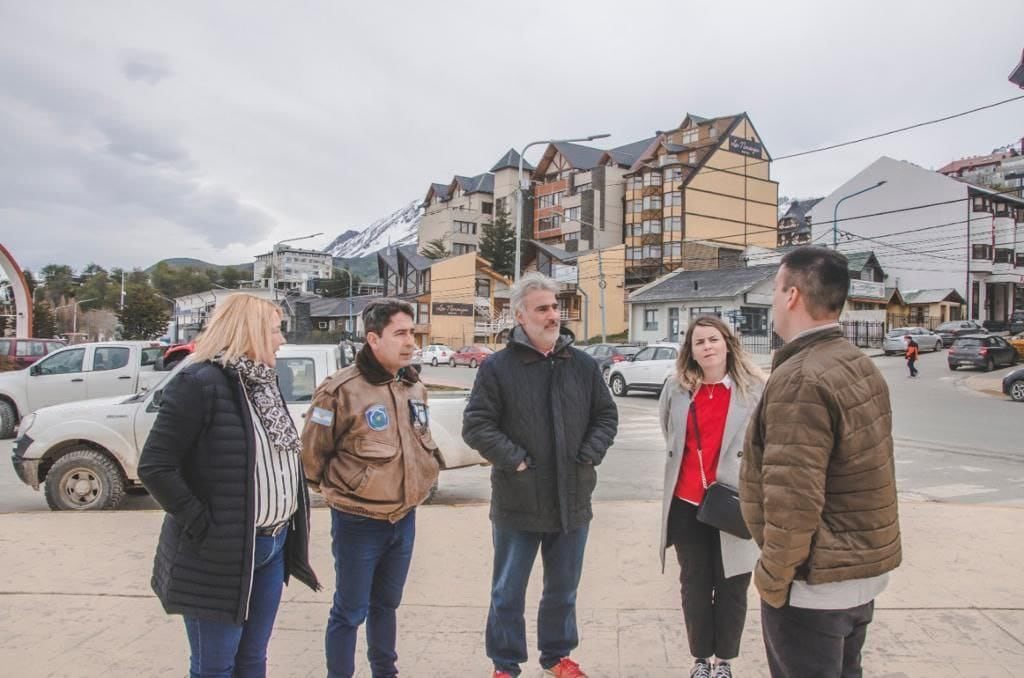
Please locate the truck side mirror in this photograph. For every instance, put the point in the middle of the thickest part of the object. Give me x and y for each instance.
(35, 370)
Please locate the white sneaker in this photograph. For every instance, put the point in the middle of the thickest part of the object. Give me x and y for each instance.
(701, 669)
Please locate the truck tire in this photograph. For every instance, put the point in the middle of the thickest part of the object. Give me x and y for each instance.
(84, 480)
(8, 419)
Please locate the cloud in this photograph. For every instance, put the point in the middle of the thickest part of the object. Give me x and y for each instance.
(145, 66)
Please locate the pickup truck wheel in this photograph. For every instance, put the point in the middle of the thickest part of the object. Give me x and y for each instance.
(8, 417)
(84, 480)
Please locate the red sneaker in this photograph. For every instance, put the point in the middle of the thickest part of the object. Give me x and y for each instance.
(501, 674)
(566, 668)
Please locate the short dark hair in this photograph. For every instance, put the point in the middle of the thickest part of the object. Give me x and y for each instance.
(822, 276)
(378, 313)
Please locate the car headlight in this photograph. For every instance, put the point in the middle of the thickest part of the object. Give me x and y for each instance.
(26, 424)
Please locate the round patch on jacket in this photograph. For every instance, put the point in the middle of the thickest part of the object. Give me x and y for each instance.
(377, 418)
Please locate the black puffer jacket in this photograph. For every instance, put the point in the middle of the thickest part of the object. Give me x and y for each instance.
(199, 464)
(555, 413)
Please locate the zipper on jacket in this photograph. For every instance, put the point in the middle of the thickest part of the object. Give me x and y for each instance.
(247, 416)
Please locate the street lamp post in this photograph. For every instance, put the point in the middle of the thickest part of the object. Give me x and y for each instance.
(273, 258)
(174, 314)
(350, 323)
(835, 211)
(520, 188)
(74, 305)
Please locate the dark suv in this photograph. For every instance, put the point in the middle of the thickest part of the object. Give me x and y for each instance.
(17, 354)
(981, 351)
(956, 328)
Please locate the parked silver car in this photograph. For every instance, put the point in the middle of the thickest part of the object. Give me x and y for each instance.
(896, 339)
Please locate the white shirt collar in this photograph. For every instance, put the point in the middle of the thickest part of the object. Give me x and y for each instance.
(727, 382)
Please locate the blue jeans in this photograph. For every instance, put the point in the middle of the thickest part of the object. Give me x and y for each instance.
(371, 561)
(514, 553)
(226, 650)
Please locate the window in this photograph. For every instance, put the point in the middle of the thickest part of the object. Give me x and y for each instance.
(110, 358)
(1019, 264)
(1003, 255)
(652, 179)
(423, 314)
(297, 377)
(634, 207)
(65, 362)
(550, 223)
(646, 354)
(698, 311)
(664, 353)
(652, 226)
(636, 182)
(673, 174)
(5, 347)
(674, 199)
(487, 208)
(673, 322)
(673, 224)
(322, 324)
(713, 132)
(550, 200)
(483, 287)
(690, 136)
(981, 251)
(575, 235)
(467, 227)
(672, 249)
(500, 204)
(151, 355)
(692, 158)
(650, 324)
(460, 248)
(583, 187)
(634, 253)
(652, 202)
(572, 214)
(652, 251)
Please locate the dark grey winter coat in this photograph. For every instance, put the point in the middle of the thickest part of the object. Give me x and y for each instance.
(553, 412)
(199, 464)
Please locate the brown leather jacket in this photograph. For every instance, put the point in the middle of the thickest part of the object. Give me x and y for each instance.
(817, 482)
(366, 441)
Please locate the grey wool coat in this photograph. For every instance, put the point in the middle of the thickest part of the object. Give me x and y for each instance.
(738, 555)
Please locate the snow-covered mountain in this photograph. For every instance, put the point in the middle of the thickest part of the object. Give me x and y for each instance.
(398, 228)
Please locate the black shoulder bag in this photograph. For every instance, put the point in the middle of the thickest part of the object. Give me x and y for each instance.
(720, 507)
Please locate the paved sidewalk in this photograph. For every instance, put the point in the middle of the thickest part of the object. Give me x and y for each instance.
(76, 599)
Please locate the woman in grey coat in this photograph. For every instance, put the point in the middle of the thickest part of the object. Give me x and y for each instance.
(705, 408)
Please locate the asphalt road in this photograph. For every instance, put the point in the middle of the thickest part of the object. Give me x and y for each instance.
(953, 444)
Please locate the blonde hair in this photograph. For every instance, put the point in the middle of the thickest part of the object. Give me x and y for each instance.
(239, 327)
(740, 368)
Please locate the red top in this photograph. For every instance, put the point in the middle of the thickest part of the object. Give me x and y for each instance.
(712, 407)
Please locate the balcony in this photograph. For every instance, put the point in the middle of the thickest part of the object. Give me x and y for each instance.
(492, 325)
(570, 314)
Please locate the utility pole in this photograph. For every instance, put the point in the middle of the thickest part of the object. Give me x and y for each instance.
(122, 290)
(601, 284)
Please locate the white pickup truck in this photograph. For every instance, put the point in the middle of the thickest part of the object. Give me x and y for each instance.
(86, 454)
(93, 370)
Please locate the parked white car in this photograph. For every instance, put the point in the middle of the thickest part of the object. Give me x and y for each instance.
(895, 341)
(437, 354)
(647, 370)
(78, 372)
(85, 454)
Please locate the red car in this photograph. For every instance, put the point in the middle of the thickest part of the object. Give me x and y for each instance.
(471, 355)
(17, 354)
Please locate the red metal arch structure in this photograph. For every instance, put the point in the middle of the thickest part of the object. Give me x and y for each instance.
(22, 298)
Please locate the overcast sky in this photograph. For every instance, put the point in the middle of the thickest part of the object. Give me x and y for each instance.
(135, 131)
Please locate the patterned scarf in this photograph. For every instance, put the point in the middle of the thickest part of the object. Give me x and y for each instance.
(265, 396)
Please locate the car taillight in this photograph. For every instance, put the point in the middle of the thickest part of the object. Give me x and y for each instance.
(618, 358)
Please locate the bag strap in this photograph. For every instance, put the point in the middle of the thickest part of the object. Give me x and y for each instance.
(696, 433)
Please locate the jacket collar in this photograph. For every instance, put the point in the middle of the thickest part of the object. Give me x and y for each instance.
(805, 341)
(374, 372)
(530, 353)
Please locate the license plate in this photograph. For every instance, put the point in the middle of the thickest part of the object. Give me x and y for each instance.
(965, 362)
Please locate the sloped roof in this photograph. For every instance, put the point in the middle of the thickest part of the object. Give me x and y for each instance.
(798, 209)
(338, 307)
(415, 259)
(697, 285)
(858, 260)
(511, 161)
(932, 296)
(1017, 75)
(626, 155)
(481, 183)
(580, 157)
(975, 161)
(553, 252)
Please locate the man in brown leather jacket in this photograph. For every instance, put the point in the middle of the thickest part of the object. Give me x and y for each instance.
(367, 447)
(817, 482)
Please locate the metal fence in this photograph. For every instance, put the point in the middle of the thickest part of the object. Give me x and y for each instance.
(864, 333)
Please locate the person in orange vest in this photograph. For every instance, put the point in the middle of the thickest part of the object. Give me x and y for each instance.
(912, 353)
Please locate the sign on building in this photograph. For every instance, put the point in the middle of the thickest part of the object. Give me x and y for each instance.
(867, 289)
(449, 308)
(747, 147)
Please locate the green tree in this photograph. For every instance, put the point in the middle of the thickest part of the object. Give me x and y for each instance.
(435, 249)
(60, 282)
(173, 282)
(231, 276)
(144, 315)
(44, 324)
(498, 244)
(98, 285)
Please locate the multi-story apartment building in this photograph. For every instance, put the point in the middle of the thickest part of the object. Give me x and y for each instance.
(708, 180)
(578, 193)
(455, 212)
(1001, 170)
(794, 224)
(291, 267)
